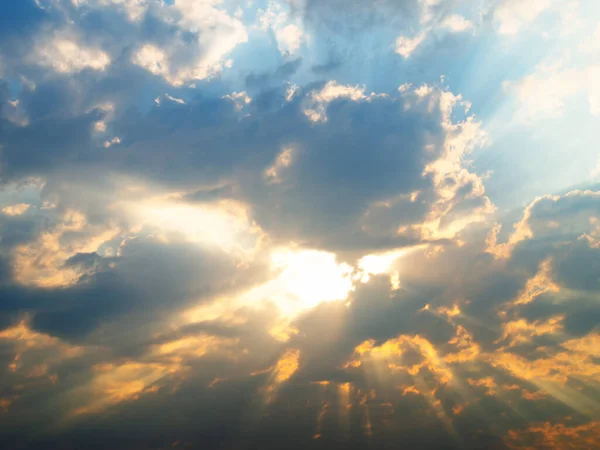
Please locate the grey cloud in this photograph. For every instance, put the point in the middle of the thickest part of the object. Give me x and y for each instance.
(330, 185)
(147, 278)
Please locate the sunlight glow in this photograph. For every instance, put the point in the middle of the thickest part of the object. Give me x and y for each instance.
(224, 224)
(382, 263)
(306, 278)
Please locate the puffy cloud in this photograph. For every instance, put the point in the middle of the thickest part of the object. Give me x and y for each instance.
(288, 32)
(456, 23)
(215, 32)
(289, 39)
(15, 210)
(513, 15)
(557, 435)
(67, 56)
(405, 46)
(432, 160)
(542, 219)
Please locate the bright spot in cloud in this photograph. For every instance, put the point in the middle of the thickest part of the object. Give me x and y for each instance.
(289, 39)
(377, 264)
(456, 23)
(223, 224)
(306, 279)
(289, 35)
(405, 46)
(15, 210)
(317, 110)
(67, 56)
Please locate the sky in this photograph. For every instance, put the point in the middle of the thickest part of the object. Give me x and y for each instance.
(299, 224)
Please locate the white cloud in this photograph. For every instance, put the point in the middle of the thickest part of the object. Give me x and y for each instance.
(591, 44)
(423, 91)
(65, 55)
(180, 62)
(239, 99)
(592, 76)
(15, 114)
(332, 91)
(175, 99)
(544, 92)
(114, 141)
(456, 23)
(514, 15)
(288, 33)
(405, 46)
(427, 10)
(290, 91)
(15, 210)
(283, 160)
(135, 9)
(153, 59)
(450, 176)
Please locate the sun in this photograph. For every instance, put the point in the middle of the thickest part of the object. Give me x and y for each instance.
(305, 278)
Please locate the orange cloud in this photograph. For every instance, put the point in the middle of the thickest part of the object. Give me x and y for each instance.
(557, 437)
(538, 285)
(488, 383)
(41, 263)
(521, 331)
(283, 370)
(116, 383)
(394, 349)
(190, 347)
(36, 353)
(469, 350)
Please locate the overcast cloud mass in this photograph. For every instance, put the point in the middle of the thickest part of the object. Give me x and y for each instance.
(299, 224)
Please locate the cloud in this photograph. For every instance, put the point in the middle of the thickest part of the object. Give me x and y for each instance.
(15, 210)
(179, 61)
(512, 15)
(66, 56)
(331, 91)
(434, 147)
(405, 46)
(234, 204)
(558, 435)
(456, 23)
(542, 219)
(288, 32)
(289, 39)
(545, 92)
